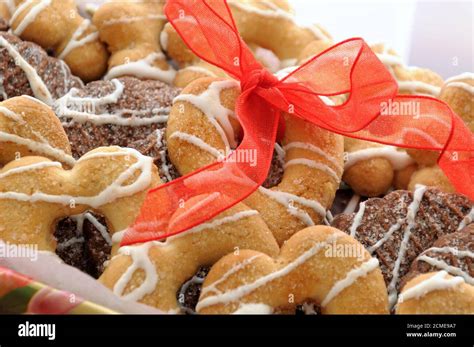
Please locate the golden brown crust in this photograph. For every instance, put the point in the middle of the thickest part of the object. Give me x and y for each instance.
(29, 127)
(372, 174)
(458, 94)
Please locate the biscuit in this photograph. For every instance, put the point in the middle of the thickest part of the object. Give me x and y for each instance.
(131, 31)
(57, 26)
(307, 270)
(202, 128)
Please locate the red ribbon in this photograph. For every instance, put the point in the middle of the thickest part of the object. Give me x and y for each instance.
(350, 67)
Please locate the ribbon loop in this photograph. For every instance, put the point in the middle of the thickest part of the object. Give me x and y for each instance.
(350, 67)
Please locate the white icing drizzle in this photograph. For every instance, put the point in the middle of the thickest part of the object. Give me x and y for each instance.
(281, 74)
(317, 32)
(79, 109)
(329, 217)
(463, 85)
(164, 38)
(350, 279)
(314, 149)
(114, 191)
(196, 141)
(413, 86)
(76, 40)
(2, 89)
(440, 264)
(209, 102)
(253, 308)
(398, 159)
(38, 147)
(208, 199)
(463, 76)
(288, 200)
(435, 282)
(452, 250)
(411, 216)
(195, 280)
(70, 242)
(290, 62)
(314, 165)
(10, 114)
(389, 59)
(140, 260)
(459, 82)
(118, 236)
(80, 218)
(268, 59)
(216, 223)
(39, 88)
(30, 17)
(395, 227)
(212, 288)
(237, 293)
(467, 219)
(271, 9)
(437, 119)
(280, 151)
(91, 8)
(131, 19)
(31, 167)
(352, 204)
(357, 219)
(41, 145)
(11, 5)
(143, 68)
(309, 308)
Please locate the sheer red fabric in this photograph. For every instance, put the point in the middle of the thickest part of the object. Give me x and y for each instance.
(350, 67)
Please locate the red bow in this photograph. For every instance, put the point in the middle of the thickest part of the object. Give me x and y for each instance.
(208, 29)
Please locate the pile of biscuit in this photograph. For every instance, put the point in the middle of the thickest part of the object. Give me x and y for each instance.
(99, 107)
